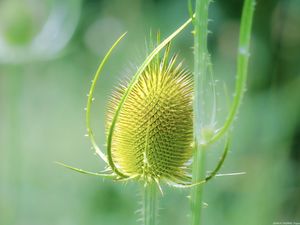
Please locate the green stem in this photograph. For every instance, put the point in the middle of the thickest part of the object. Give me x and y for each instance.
(242, 66)
(200, 70)
(150, 204)
(201, 58)
(201, 64)
(197, 191)
(90, 100)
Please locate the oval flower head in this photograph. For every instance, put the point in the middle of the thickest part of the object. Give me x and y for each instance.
(150, 123)
(153, 133)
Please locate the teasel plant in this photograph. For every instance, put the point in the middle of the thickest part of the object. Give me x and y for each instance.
(158, 126)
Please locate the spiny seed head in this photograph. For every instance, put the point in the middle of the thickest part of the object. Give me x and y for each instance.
(153, 134)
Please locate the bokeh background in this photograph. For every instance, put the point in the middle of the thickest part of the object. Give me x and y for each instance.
(49, 50)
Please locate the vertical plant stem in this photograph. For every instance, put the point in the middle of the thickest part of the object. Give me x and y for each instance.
(150, 204)
(201, 58)
(200, 70)
(197, 191)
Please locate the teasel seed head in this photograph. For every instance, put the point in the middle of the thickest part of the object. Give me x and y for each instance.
(153, 135)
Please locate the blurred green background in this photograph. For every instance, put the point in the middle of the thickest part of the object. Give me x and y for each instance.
(49, 50)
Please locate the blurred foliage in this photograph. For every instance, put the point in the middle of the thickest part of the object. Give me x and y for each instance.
(43, 93)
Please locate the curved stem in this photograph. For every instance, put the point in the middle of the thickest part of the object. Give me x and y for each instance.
(242, 66)
(214, 171)
(220, 163)
(150, 204)
(90, 100)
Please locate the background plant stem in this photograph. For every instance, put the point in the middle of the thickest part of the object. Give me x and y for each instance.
(200, 69)
(150, 204)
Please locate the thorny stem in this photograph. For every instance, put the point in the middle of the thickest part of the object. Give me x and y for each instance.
(197, 191)
(201, 60)
(200, 69)
(90, 100)
(242, 66)
(150, 204)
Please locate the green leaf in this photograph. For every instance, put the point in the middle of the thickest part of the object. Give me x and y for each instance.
(86, 172)
(90, 100)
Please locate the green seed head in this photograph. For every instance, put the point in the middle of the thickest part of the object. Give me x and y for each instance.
(153, 134)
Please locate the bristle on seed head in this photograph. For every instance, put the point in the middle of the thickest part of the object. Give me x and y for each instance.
(153, 134)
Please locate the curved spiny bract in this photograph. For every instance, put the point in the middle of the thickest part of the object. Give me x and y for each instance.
(154, 131)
